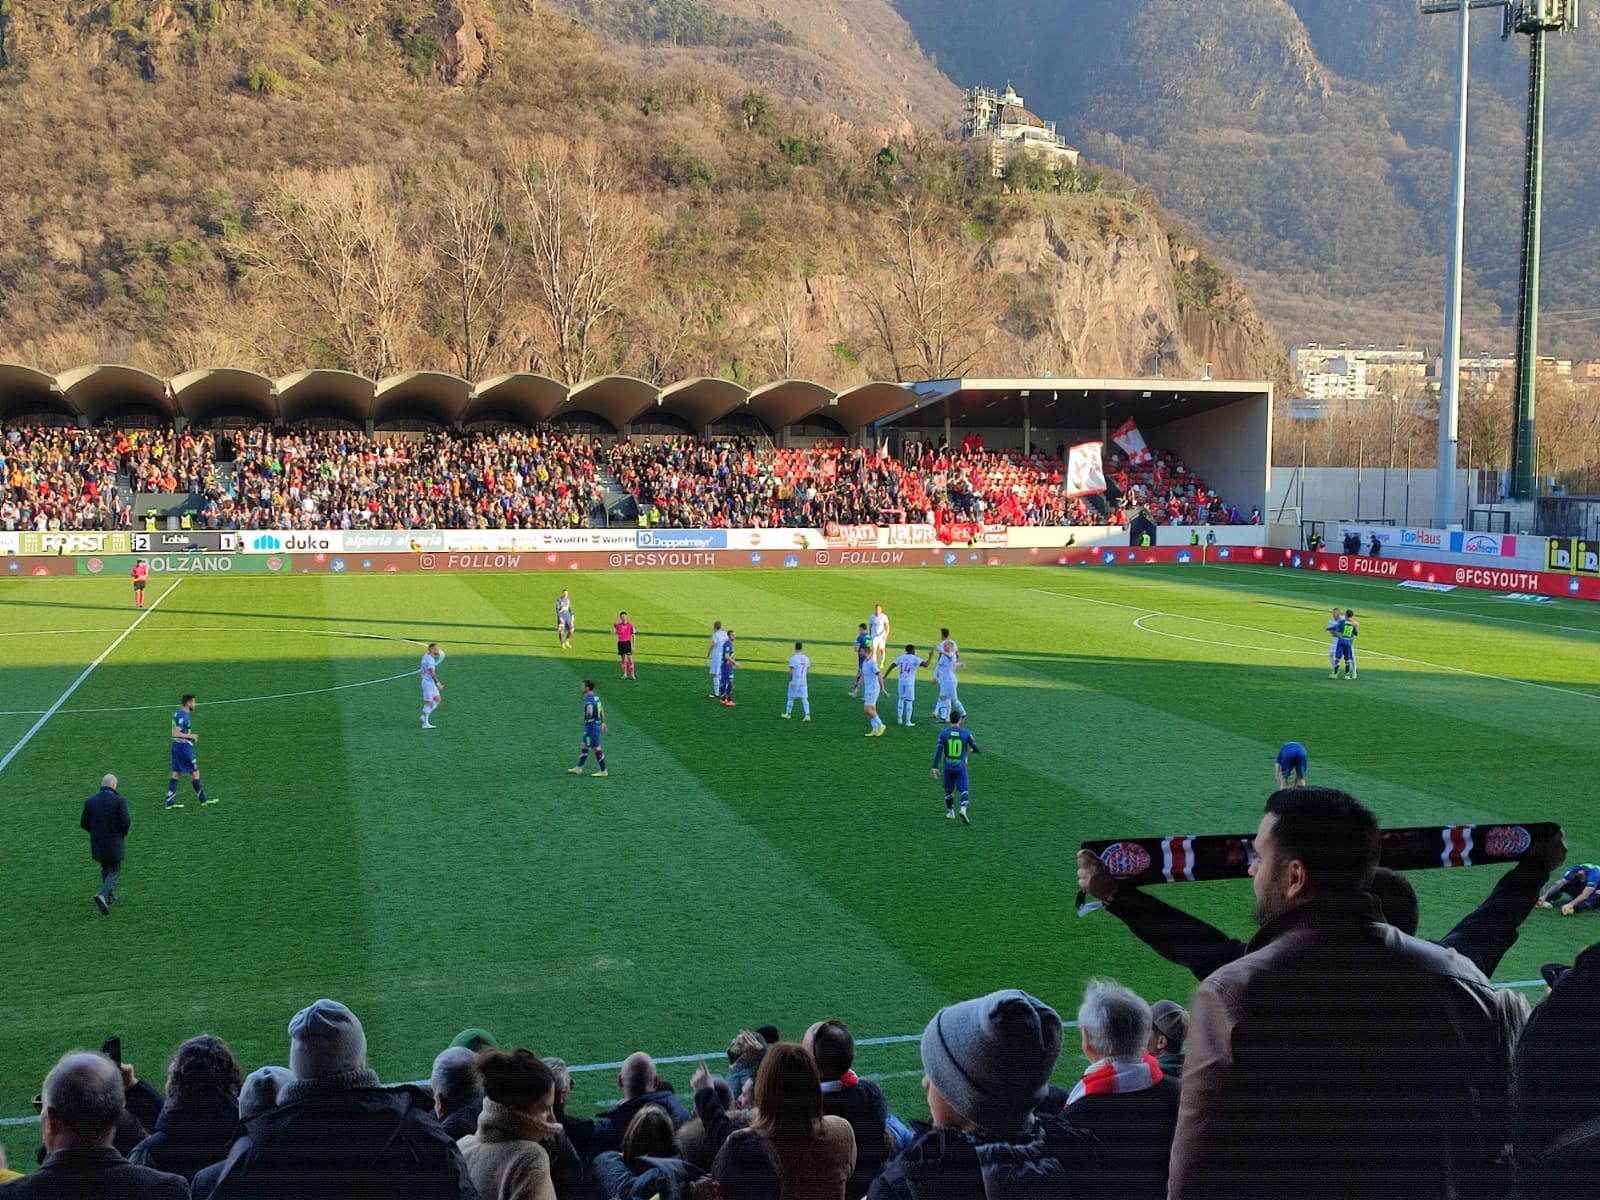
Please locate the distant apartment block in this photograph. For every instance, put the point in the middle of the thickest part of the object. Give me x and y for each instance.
(1485, 367)
(1345, 372)
(997, 126)
(1587, 372)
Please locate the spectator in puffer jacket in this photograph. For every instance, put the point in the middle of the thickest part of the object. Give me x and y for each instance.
(336, 1133)
(649, 1164)
(987, 1065)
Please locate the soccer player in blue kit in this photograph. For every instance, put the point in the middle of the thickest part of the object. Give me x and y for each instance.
(956, 745)
(1344, 647)
(594, 724)
(725, 685)
(863, 651)
(1291, 765)
(1582, 884)
(183, 755)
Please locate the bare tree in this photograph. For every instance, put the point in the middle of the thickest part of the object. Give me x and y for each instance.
(342, 248)
(587, 241)
(780, 342)
(930, 306)
(477, 265)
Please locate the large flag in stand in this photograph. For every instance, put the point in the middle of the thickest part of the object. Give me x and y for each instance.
(1085, 475)
(1132, 441)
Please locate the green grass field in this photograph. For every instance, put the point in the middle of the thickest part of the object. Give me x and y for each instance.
(735, 869)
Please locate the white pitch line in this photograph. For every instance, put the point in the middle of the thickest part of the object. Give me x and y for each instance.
(1503, 620)
(322, 691)
(87, 671)
(1138, 623)
(1378, 654)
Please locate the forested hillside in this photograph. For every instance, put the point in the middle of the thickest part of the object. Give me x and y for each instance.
(485, 186)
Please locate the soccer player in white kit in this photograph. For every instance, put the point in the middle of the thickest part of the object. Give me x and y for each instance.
(430, 683)
(946, 659)
(878, 627)
(871, 688)
(906, 685)
(718, 637)
(799, 668)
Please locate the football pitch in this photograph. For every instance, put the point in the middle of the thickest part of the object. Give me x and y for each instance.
(735, 869)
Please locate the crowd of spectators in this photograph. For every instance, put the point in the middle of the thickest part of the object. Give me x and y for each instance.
(338, 479)
(67, 478)
(60, 478)
(1334, 1055)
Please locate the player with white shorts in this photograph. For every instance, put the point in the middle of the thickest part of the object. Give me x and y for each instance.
(906, 667)
(946, 661)
(878, 628)
(430, 683)
(718, 637)
(871, 689)
(799, 689)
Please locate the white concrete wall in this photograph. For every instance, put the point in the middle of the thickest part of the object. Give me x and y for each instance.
(1336, 494)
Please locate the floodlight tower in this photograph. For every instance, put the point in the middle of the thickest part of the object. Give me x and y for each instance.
(1537, 19)
(1450, 382)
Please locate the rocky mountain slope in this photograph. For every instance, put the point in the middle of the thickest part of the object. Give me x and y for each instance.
(1310, 140)
(376, 185)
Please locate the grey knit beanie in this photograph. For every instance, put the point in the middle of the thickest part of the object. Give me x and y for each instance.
(991, 1058)
(326, 1039)
(260, 1089)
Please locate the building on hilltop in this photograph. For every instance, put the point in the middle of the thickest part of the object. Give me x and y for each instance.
(997, 126)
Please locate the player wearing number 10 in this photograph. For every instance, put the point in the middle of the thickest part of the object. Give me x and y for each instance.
(956, 745)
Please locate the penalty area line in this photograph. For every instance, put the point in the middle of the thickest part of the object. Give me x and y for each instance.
(87, 671)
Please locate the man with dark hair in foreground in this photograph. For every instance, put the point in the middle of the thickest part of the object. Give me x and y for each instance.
(1483, 935)
(1339, 1057)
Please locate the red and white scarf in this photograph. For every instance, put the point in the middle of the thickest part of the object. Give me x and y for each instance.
(1110, 1076)
(848, 1080)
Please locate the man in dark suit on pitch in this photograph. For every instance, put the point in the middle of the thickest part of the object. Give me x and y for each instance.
(105, 817)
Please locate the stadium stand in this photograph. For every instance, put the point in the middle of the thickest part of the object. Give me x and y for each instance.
(61, 478)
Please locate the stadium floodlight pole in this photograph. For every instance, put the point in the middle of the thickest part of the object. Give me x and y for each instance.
(1537, 19)
(1444, 497)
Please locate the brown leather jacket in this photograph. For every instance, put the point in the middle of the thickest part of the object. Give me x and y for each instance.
(1340, 1058)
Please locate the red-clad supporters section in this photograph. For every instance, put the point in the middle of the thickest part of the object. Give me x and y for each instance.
(58, 478)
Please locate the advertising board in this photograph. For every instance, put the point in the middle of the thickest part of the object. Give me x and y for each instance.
(73, 543)
(1500, 578)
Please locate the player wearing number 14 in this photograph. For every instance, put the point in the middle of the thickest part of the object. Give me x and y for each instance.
(955, 747)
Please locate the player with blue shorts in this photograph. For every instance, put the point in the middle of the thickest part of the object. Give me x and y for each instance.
(1582, 884)
(725, 684)
(956, 746)
(184, 761)
(594, 724)
(1291, 765)
(1344, 646)
(863, 652)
